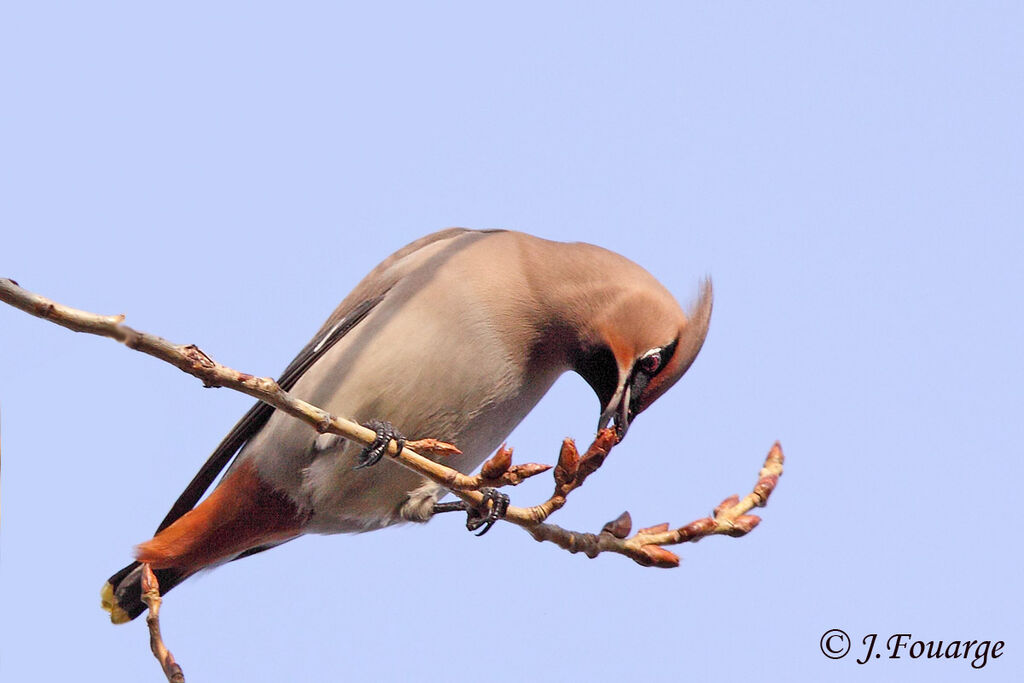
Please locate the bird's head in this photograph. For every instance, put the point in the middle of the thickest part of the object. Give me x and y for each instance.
(640, 344)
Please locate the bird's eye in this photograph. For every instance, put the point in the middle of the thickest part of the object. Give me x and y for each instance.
(650, 362)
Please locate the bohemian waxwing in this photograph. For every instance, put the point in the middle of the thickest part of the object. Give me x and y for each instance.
(456, 336)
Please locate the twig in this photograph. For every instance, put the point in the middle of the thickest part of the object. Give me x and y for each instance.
(151, 596)
(572, 470)
(645, 547)
(191, 359)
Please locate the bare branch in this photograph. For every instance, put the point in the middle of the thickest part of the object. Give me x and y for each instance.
(151, 596)
(191, 359)
(730, 518)
(571, 472)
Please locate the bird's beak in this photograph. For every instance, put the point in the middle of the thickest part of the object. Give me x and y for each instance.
(618, 411)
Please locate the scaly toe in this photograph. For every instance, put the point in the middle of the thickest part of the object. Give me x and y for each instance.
(372, 453)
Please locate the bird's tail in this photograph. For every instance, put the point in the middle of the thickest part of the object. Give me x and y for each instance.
(243, 515)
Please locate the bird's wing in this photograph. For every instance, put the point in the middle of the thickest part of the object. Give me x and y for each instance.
(352, 310)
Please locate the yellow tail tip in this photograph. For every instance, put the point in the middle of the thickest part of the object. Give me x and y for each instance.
(109, 603)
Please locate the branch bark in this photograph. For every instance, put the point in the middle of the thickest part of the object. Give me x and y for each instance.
(191, 359)
(151, 596)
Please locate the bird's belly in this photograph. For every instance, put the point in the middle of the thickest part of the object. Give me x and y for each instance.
(343, 499)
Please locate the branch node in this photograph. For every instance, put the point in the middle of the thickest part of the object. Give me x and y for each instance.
(130, 338)
(730, 502)
(324, 422)
(197, 356)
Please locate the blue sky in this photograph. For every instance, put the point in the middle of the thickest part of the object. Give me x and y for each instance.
(850, 176)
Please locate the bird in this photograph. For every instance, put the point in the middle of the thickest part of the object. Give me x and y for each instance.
(456, 336)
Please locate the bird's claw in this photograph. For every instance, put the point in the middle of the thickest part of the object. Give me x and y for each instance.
(496, 510)
(372, 453)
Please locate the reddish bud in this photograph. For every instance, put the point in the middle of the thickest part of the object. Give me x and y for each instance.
(620, 526)
(498, 464)
(694, 531)
(605, 439)
(743, 525)
(433, 447)
(528, 470)
(659, 557)
(599, 449)
(656, 529)
(764, 488)
(568, 463)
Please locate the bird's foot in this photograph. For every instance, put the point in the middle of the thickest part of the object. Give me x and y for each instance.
(476, 518)
(386, 433)
(496, 510)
